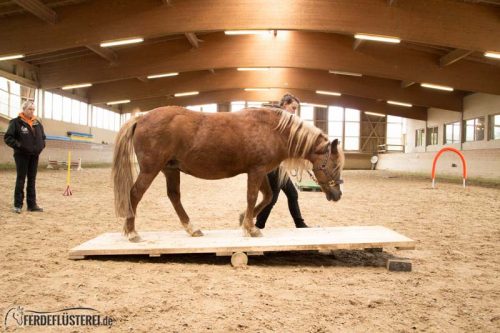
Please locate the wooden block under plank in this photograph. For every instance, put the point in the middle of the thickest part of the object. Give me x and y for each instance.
(399, 265)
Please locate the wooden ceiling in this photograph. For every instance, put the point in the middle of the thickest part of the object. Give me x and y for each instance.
(442, 42)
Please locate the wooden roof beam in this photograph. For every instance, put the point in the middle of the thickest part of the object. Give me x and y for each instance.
(39, 9)
(357, 43)
(406, 84)
(193, 40)
(304, 79)
(453, 57)
(224, 96)
(104, 53)
(436, 23)
(333, 52)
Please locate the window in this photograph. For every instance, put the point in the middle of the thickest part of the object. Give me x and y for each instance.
(10, 98)
(98, 117)
(495, 127)
(75, 111)
(452, 133)
(194, 107)
(57, 107)
(474, 129)
(344, 125)
(66, 110)
(124, 118)
(83, 113)
(47, 108)
(307, 114)
(352, 129)
(4, 96)
(15, 99)
(419, 137)
(117, 121)
(105, 119)
(321, 119)
(211, 108)
(432, 136)
(254, 104)
(396, 127)
(237, 106)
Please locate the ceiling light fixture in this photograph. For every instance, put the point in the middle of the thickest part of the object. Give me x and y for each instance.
(122, 42)
(435, 86)
(253, 68)
(315, 105)
(247, 32)
(76, 86)
(344, 73)
(189, 93)
(378, 38)
(157, 76)
(331, 93)
(491, 54)
(123, 101)
(11, 57)
(400, 104)
(375, 114)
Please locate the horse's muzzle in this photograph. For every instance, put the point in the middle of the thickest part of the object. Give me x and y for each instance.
(334, 195)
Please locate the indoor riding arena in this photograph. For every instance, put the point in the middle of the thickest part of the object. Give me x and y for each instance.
(144, 144)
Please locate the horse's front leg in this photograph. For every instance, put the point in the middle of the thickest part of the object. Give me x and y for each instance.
(254, 182)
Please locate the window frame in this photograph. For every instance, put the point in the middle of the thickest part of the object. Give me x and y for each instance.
(492, 125)
(420, 134)
(475, 129)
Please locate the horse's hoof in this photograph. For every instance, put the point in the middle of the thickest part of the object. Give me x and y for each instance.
(197, 233)
(242, 216)
(255, 232)
(134, 237)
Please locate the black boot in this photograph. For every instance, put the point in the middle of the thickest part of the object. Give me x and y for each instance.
(301, 224)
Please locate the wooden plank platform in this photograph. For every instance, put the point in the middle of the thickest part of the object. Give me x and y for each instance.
(157, 243)
(308, 185)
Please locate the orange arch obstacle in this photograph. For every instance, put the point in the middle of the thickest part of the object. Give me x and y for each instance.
(464, 164)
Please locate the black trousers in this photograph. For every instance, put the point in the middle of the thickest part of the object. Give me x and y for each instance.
(291, 194)
(26, 167)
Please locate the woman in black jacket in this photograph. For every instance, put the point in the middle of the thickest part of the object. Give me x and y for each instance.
(26, 136)
(291, 104)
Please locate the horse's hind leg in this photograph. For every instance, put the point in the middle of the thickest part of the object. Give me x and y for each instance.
(174, 194)
(140, 186)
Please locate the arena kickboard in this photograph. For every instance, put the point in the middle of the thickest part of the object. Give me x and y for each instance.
(156, 243)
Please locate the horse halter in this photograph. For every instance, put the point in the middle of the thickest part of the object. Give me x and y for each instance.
(332, 182)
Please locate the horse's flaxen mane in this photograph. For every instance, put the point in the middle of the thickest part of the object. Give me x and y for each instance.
(301, 141)
(302, 136)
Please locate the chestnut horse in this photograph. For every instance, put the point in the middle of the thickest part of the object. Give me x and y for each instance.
(213, 146)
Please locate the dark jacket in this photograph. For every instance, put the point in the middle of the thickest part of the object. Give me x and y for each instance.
(24, 139)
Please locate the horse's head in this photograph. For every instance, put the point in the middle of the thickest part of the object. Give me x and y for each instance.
(328, 162)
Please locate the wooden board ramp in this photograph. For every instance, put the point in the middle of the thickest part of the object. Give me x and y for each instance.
(230, 242)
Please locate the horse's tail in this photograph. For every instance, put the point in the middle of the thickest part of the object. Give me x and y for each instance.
(122, 171)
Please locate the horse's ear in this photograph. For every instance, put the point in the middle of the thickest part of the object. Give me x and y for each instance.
(321, 148)
(334, 146)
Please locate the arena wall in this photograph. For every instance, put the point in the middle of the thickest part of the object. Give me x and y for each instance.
(483, 157)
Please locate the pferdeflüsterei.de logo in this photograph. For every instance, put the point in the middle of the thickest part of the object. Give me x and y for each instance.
(80, 316)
